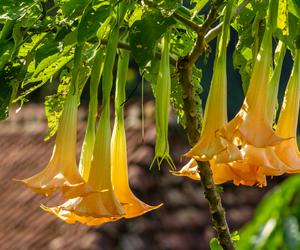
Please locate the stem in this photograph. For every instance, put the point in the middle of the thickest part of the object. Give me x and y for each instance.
(76, 67)
(215, 206)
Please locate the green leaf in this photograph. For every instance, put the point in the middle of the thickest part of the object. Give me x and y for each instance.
(13, 10)
(200, 4)
(74, 8)
(183, 40)
(46, 70)
(54, 106)
(145, 33)
(167, 7)
(294, 7)
(291, 233)
(5, 98)
(93, 18)
(214, 244)
(5, 53)
(29, 46)
(268, 216)
(47, 49)
(136, 15)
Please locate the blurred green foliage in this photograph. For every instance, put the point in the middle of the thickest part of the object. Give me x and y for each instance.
(275, 225)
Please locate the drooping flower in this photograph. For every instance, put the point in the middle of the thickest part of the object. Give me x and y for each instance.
(221, 172)
(103, 206)
(239, 172)
(288, 151)
(251, 126)
(132, 205)
(61, 173)
(210, 145)
(162, 104)
(266, 159)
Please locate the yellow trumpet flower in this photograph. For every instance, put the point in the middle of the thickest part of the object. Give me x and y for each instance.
(210, 145)
(288, 151)
(132, 205)
(61, 173)
(250, 126)
(266, 158)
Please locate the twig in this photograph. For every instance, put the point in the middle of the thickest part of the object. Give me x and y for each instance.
(214, 32)
(194, 26)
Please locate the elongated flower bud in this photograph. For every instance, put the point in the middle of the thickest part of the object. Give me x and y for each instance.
(162, 104)
(132, 205)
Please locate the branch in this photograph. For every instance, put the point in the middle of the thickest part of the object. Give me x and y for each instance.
(215, 206)
(200, 43)
(214, 32)
(185, 66)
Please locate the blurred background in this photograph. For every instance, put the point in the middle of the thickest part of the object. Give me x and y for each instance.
(182, 223)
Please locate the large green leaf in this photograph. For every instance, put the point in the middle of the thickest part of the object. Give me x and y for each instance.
(73, 8)
(145, 33)
(93, 18)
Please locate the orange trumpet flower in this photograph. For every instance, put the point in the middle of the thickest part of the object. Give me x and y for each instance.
(132, 205)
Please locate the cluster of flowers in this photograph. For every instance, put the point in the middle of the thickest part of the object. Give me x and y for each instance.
(251, 146)
(98, 192)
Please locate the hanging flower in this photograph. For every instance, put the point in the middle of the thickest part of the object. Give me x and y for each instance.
(61, 173)
(210, 144)
(239, 172)
(288, 151)
(251, 126)
(132, 205)
(264, 160)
